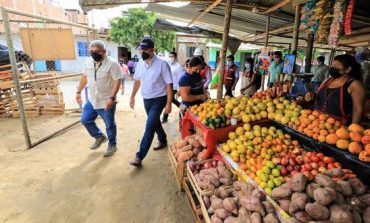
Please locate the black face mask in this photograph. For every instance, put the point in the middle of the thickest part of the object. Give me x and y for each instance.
(96, 57)
(334, 73)
(196, 73)
(145, 55)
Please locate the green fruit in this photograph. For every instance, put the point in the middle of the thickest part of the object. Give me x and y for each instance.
(266, 170)
(275, 172)
(264, 178)
(259, 173)
(263, 185)
(268, 191)
(277, 182)
(270, 164)
(279, 167)
(270, 184)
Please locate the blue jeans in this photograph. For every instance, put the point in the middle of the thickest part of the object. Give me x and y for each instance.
(153, 108)
(89, 115)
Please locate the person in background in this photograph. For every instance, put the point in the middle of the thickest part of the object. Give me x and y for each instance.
(103, 76)
(205, 73)
(176, 71)
(276, 69)
(321, 73)
(250, 80)
(342, 95)
(125, 71)
(154, 76)
(231, 75)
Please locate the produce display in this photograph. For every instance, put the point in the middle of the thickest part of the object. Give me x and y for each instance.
(348, 19)
(191, 147)
(336, 25)
(324, 16)
(322, 199)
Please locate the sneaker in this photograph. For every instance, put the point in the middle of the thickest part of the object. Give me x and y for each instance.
(102, 139)
(110, 150)
(137, 162)
(160, 145)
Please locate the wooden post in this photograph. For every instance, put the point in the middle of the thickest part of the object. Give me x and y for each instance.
(309, 51)
(225, 41)
(296, 27)
(267, 31)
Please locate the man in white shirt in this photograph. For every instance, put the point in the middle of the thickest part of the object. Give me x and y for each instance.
(176, 71)
(103, 75)
(154, 76)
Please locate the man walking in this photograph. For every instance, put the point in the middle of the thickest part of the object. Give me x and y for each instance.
(103, 75)
(154, 76)
(176, 71)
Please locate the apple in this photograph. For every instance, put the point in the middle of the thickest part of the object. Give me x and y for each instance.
(306, 159)
(287, 179)
(299, 160)
(328, 159)
(303, 169)
(322, 164)
(284, 161)
(330, 166)
(320, 155)
(289, 168)
(308, 167)
(297, 167)
(315, 166)
(315, 172)
(275, 160)
(294, 172)
(337, 165)
(284, 171)
(292, 162)
(315, 159)
(309, 175)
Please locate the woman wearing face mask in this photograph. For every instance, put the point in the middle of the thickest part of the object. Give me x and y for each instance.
(342, 95)
(251, 82)
(191, 85)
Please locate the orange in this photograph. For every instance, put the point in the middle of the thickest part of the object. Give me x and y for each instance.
(331, 120)
(342, 144)
(322, 117)
(324, 132)
(321, 138)
(356, 128)
(342, 133)
(355, 147)
(331, 139)
(356, 136)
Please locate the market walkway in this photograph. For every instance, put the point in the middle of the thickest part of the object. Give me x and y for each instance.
(61, 180)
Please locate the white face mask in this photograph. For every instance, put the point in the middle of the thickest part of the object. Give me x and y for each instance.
(171, 60)
(247, 66)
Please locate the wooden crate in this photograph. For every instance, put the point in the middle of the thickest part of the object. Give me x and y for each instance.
(29, 114)
(193, 201)
(178, 168)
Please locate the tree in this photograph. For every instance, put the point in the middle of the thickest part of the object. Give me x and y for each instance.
(130, 29)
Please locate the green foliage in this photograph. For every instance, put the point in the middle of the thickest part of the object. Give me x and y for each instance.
(129, 30)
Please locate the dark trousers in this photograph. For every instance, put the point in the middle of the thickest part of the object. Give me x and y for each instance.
(153, 108)
(175, 102)
(229, 91)
(89, 115)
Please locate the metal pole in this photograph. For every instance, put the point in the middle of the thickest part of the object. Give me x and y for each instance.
(13, 62)
(296, 27)
(225, 41)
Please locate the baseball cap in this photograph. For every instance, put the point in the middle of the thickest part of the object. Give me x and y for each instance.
(146, 43)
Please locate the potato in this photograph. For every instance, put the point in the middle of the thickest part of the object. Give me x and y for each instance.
(340, 214)
(270, 218)
(285, 204)
(226, 181)
(211, 211)
(253, 204)
(298, 202)
(317, 211)
(223, 172)
(331, 191)
(366, 215)
(243, 214)
(232, 219)
(201, 141)
(311, 188)
(257, 193)
(324, 181)
(290, 220)
(238, 185)
(336, 172)
(268, 207)
(365, 199)
(302, 216)
(215, 219)
(194, 142)
(201, 155)
(322, 196)
(216, 203)
(298, 182)
(222, 213)
(344, 187)
(356, 217)
(184, 156)
(339, 199)
(356, 204)
(223, 192)
(230, 205)
(181, 143)
(256, 217)
(357, 186)
(282, 191)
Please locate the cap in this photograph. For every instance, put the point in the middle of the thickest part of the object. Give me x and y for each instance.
(198, 52)
(146, 43)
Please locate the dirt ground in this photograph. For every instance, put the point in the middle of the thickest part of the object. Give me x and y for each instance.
(61, 180)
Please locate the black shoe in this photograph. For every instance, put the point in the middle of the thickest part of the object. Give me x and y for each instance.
(164, 119)
(102, 139)
(110, 150)
(160, 145)
(137, 162)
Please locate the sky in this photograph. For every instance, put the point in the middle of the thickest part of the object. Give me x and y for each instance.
(100, 18)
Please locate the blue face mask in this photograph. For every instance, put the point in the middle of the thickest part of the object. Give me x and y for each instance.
(229, 63)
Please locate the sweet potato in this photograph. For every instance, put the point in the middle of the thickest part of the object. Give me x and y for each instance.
(298, 202)
(201, 155)
(344, 188)
(257, 193)
(366, 215)
(282, 191)
(196, 151)
(332, 192)
(356, 204)
(253, 204)
(230, 205)
(194, 142)
(357, 186)
(322, 196)
(290, 220)
(270, 218)
(210, 211)
(207, 201)
(317, 211)
(339, 199)
(285, 204)
(324, 181)
(223, 172)
(243, 215)
(223, 192)
(184, 156)
(201, 141)
(268, 207)
(181, 143)
(340, 214)
(226, 181)
(222, 213)
(238, 185)
(365, 199)
(216, 203)
(311, 188)
(231, 219)
(256, 217)
(336, 172)
(183, 149)
(302, 216)
(298, 182)
(215, 219)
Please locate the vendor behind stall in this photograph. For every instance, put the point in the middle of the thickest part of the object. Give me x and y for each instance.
(251, 81)
(343, 94)
(276, 69)
(321, 73)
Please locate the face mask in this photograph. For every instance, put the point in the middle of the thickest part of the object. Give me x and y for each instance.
(229, 63)
(247, 66)
(277, 60)
(334, 73)
(171, 60)
(96, 57)
(145, 55)
(320, 63)
(196, 73)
